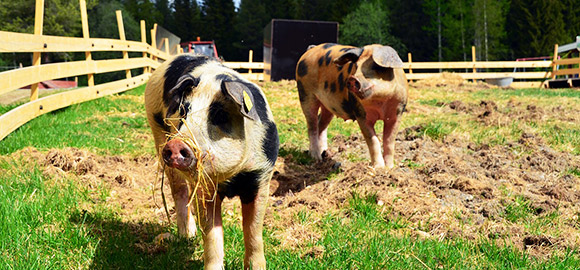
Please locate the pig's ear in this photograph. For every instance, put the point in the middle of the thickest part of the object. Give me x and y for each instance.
(350, 55)
(174, 97)
(385, 56)
(184, 84)
(242, 95)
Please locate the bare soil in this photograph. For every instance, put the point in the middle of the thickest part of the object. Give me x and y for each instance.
(445, 189)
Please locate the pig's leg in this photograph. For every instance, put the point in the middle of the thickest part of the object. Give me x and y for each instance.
(324, 119)
(179, 190)
(213, 233)
(389, 137)
(368, 131)
(252, 221)
(310, 108)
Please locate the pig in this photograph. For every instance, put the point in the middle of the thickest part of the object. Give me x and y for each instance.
(362, 84)
(201, 100)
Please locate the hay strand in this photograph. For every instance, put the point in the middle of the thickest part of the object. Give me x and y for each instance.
(201, 182)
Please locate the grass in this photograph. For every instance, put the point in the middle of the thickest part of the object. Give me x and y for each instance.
(107, 125)
(50, 223)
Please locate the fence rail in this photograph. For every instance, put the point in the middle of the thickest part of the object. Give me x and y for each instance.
(151, 57)
(37, 44)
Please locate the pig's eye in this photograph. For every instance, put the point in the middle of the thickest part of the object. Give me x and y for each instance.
(219, 116)
(372, 70)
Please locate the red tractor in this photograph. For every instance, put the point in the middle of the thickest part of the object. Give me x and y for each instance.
(200, 47)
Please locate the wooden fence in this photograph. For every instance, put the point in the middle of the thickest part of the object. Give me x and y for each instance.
(37, 44)
(151, 57)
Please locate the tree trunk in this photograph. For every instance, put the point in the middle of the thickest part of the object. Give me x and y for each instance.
(439, 31)
(485, 27)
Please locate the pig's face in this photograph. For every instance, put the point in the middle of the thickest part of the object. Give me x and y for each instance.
(214, 115)
(373, 69)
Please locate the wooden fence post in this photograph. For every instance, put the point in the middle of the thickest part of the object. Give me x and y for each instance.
(122, 37)
(554, 66)
(473, 59)
(410, 56)
(154, 39)
(88, 54)
(144, 40)
(38, 21)
(250, 60)
(166, 40)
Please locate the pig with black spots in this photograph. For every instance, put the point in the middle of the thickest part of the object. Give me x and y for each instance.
(205, 115)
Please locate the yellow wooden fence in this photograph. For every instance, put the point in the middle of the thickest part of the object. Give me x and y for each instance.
(38, 44)
(538, 71)
(151, 57)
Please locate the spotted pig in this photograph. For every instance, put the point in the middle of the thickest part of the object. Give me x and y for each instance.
(363, 84)
(193, 98)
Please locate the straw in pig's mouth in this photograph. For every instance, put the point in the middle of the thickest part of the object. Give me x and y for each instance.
(199, 181)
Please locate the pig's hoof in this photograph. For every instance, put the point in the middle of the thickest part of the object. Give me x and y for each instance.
(336, 166)
(324, 155)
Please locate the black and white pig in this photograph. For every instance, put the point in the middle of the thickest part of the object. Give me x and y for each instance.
(229, 117)
(363, 84)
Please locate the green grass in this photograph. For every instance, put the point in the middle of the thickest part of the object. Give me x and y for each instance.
(48, 224)
(106, 125)
(60, 225)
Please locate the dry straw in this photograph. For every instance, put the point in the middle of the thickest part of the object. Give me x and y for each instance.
(199, 181)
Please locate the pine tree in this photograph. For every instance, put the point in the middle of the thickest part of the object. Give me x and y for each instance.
(368, 24)
(457, 26)
(489, 26)
(186, 20)
(252, 17)
(571, 14)
(408, 19)
(535, 26)
(219, 18)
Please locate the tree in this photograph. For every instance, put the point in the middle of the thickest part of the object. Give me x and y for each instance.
(457, 24)
(489, 26)
(368, 24)
(534, 26)
(103, 21)
(61, 18)
(142, 10)
(219, 17)
(187, 23)
(571, 14)
(435, 9)
(252, 17)
(407, 19)
(284, 9)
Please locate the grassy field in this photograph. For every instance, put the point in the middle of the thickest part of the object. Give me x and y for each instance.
(77, 219)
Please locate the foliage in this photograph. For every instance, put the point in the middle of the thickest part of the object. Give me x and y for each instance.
(535, 26)
(219, 18)
(429, 29)
(254, 14)
(186, 19)
(368, 24)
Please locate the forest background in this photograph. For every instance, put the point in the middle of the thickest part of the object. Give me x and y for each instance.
(432, 30)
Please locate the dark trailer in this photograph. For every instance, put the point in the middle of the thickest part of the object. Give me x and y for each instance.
(286, 40)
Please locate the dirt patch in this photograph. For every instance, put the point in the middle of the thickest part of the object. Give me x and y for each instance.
(133, 181)
(491, 113)
(450, 189)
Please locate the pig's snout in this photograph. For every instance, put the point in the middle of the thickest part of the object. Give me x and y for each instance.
(362, 90)
(177, 154)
